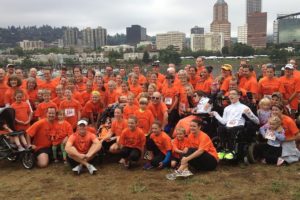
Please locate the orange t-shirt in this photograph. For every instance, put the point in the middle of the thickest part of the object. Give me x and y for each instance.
(77, 96)
(91, 107)
(32, 94)
(129, 110)
(268, 86)
(185, 123)
(169, 94)
(251, 85)
(225, 84)
(112, 97)
(289, 126)
(145, 120)
(62, 130)
(71, 108)
(202, 141)
(158, 110)
(9, 96)
(162, 141)
(135, 89)
(133, 139)
(86, 96)
(41, 131)
(58, 100)
(161, 78)
(3, 88)
(204, 85)
(118, 126)
(180, 145)
(80, 87)
(183, 100)
(49, 86)
(193, 81)
(41, 110)
(22, 114)
(82, 143)
(287, 87)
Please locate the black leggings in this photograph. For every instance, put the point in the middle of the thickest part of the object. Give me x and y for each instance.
(132, 154)
(158, 155)
(204, 162)
(270, 153)
(7, 116)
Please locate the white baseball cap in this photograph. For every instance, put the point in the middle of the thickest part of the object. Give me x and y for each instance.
(289, 66)
(82, 122)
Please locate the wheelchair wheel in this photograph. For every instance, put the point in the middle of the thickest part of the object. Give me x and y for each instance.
(12, 157)
(28, 160)
(252, 154)
(217, 143)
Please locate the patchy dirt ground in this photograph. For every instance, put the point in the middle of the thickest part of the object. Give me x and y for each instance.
(114, 182)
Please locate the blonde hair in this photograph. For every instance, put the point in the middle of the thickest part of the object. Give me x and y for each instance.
(264, 101)
(181, 130)
(276, 120)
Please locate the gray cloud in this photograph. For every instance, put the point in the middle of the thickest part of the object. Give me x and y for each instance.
(115, 15)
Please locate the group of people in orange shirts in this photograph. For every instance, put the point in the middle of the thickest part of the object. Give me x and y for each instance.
(72, 113)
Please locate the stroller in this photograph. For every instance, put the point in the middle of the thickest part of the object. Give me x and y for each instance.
(10, 152)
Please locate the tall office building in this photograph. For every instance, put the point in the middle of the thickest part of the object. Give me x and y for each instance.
(93, 38)
(207, 42)
(176, 39)
(135, 34)
(287, 28)
(70, 37)
(100, 37)
(220, 22)
(197, 30)
(257, 30)
(253, 6)
(242, 34)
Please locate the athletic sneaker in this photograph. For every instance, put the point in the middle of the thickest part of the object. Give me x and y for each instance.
(20, 148)
(221, 155)
(184, 173)
(228, 156)
(148, 155)
(77, 169)
(171, 176)
(91, 169)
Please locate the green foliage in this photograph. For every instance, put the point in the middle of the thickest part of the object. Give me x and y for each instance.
(240, 49)
(169, 55)
(116, 39)
(18, 51)
(146, 57)
(277, 55)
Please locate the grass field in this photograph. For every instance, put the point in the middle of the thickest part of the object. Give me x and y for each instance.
(112, 181)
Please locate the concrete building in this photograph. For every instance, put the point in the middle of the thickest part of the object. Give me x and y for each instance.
(242, 34)
(135, 34)
(287, 28)
(100, 37)
(28, 45)
(253, 6)
(118, 48)
(197, 30)
(88, 40)
(220, 22)
(139, 56)
(207, 42)
(257, 30)
(70, 37)
(174, 38)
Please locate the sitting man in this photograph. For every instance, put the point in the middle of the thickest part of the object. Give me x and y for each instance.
(82, 147)
(234, 122)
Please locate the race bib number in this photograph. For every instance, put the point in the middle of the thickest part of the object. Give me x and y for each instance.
(232, 123)
(270, 135)
(168, 101)
(69, 112)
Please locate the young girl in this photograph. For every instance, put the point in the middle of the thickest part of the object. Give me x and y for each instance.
(130, 107)
(179, 147)
(93, 109)
(22, 118)
(264, 111)
(42, 108)
(63, 129)
(274, 133)
(144, 116)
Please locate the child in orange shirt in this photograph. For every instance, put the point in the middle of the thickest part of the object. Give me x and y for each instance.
(160, 146)
(22, 118)
(130, 107)
(63, 129)
(72, 109)
(23, 112)
(42, 108)
(179, 147)
(93, 109)
(144, 116)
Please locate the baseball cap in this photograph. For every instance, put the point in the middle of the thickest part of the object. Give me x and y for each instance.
(10, 66)
(227, 67)
(82, 122)
(289, 66)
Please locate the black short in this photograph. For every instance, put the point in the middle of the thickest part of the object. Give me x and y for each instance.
(46, 150)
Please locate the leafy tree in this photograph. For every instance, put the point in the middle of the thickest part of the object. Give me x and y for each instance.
(146, 57)
(169, 55)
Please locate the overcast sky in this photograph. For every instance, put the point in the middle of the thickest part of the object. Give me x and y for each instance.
(157, 16)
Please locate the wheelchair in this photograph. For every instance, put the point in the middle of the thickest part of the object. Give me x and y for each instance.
(10, 152)
(240, 141)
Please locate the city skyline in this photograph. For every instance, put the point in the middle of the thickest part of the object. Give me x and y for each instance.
(156, 16)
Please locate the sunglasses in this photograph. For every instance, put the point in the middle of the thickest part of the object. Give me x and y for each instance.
(155, 98)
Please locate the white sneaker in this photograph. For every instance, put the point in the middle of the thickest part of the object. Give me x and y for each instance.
(171, 177)
(187, 173)
(91, 169)
(77, 169)
(20, 148)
